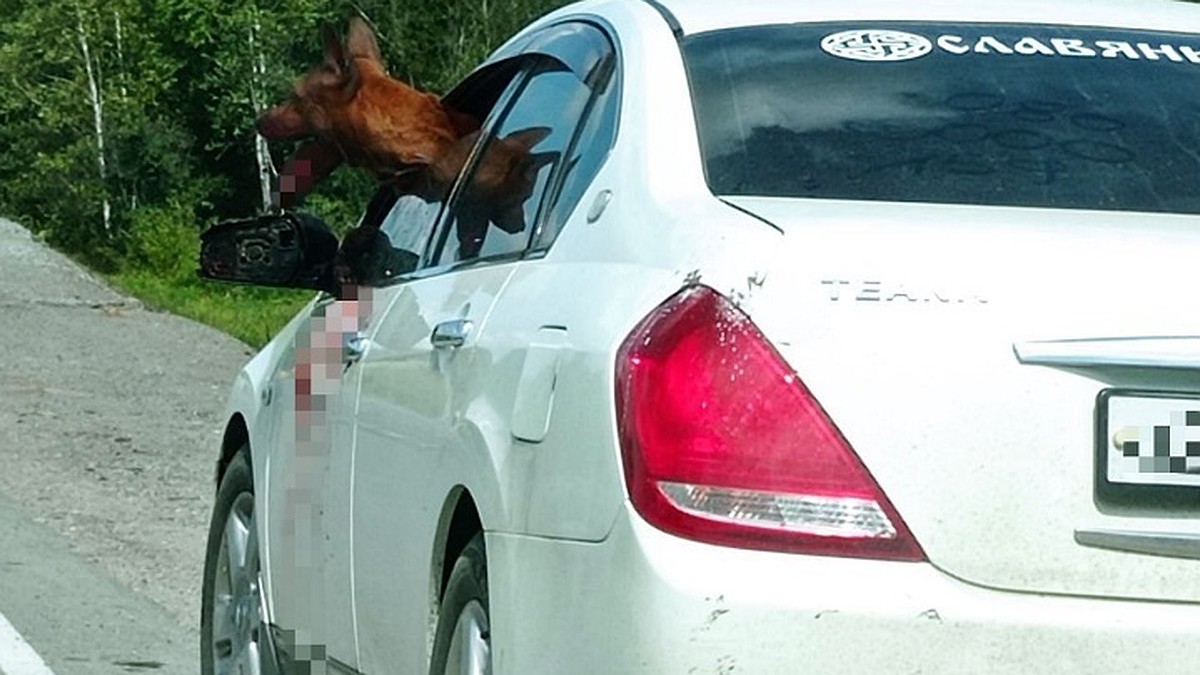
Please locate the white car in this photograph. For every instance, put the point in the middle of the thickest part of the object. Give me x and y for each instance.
(856, 337)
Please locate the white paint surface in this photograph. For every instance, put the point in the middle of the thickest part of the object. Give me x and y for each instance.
(17, 657)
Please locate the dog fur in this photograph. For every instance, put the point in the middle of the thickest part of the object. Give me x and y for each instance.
(356, 114)
(347, 110)
(350, 111)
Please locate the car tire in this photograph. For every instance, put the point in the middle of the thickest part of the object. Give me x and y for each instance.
(233, 635)
(463, 642)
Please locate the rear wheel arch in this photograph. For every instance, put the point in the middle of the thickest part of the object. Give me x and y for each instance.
(459, 522)
(463, 637)
(458, 582)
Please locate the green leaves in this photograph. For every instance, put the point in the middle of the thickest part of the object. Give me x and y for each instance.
(179, 84)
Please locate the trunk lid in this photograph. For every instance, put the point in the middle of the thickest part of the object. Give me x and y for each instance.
(962, 350)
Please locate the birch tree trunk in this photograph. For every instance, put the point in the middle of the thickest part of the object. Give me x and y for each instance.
(97, 117)
(262, 153)
(122, 80)
(123, 74)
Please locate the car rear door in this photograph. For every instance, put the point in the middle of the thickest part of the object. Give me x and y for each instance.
(423, 430)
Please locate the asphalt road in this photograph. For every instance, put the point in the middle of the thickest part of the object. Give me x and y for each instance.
(109, 420)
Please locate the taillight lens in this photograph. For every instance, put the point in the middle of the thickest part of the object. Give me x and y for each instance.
(723, 443)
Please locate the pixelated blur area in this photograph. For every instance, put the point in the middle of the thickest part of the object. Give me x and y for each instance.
(1154, 441)
(296, 178)
(298, 658)
(321, 359)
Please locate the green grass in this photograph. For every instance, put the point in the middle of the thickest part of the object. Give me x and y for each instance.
(250, 314)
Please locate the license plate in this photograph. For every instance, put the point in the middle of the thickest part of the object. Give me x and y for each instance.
(1148, 447)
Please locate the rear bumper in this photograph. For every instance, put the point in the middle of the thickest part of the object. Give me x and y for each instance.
(646, 602)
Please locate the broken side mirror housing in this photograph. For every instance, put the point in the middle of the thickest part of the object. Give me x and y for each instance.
(289, 250)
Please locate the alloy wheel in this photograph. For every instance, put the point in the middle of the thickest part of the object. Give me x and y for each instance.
(237, 596)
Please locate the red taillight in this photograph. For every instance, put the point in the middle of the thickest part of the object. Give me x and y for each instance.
(723, 443)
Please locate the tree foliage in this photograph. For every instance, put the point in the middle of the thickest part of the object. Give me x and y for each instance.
(127, 125)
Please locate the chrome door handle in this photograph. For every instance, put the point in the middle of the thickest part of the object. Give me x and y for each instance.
(451, 334)
(354, 348)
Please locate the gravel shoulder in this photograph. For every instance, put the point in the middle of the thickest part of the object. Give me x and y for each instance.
(110, 418)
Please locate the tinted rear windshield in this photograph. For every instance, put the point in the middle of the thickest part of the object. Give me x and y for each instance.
(1044, 116)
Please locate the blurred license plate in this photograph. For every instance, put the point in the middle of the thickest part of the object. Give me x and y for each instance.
(1150, 439)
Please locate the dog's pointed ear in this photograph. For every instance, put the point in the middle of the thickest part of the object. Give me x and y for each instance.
(351, 80)
(361, 42)
(528, 138)
(537, 161)
(335, 53)
(525, 170)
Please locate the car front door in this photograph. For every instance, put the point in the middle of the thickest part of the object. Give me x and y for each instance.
(312, 397)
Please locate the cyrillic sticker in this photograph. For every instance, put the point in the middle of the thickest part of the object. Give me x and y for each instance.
(870, 44)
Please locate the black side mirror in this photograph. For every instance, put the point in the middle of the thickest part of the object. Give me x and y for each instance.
(291, 250)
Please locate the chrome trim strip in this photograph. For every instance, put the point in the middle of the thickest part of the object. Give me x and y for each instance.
(1170, 544)
(1144, 352)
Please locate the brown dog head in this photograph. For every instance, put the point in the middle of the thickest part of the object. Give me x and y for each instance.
(356, 114)
(325, 88)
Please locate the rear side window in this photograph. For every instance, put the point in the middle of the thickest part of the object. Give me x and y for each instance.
(502, 197)
(590, 148)
(1012, 115)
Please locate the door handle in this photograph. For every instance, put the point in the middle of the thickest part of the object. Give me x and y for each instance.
(451, 334)
(354, 348)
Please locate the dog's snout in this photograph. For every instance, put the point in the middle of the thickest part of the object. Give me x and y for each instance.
(266, 125)
(281, 123)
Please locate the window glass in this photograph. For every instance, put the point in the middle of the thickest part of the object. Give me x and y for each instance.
(396, 229)
(409, 222)
(388, 241)
(1017, 115)
(500, 200)
(591, 148)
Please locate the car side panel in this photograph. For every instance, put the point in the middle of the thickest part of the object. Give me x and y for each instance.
(671, 607)
(565, 318)
(419, 434)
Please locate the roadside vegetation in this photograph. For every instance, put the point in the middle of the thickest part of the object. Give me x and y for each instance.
(127, 125)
